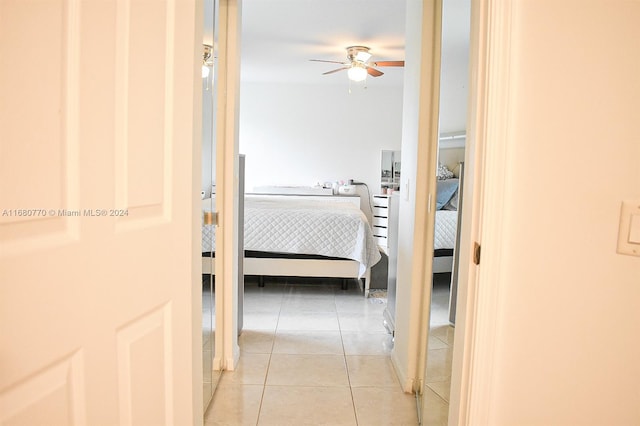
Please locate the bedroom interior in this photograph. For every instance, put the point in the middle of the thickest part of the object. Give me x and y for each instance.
(319, 133)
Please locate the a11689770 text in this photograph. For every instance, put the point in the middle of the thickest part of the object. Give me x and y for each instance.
(64, 212)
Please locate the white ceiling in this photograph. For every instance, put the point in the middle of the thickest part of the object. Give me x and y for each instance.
(280, 36)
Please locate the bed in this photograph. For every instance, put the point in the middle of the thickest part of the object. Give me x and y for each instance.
(446, 221)
(303, 236)
(444, 240)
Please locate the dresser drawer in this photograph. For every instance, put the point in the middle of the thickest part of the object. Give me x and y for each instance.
(382, 241)
(380, 221)
(379, 231)
(379, 201)
(381, 211)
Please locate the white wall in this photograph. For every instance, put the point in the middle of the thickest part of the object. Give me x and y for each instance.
(412, 232)
(568, 334)
(454, 75)
(294, 134)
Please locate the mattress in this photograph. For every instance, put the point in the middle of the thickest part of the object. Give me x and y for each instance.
(445, 229)
(298, 226)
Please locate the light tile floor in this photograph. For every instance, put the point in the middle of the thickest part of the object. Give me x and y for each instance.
(440, 351)
(312, 353)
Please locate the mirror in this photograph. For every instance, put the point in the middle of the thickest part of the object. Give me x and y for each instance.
(454, 73)
(208, 193)
(390, 171)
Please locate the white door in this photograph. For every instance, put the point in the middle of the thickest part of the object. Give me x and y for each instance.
(98, 291)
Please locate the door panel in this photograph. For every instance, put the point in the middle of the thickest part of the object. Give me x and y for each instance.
(144, 369)
(143, 60)
(53, 395)
(97, 212)
(52, 116)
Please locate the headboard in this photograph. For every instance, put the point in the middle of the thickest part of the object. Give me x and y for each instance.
(451, 157)
(353, 199)
(292, 190)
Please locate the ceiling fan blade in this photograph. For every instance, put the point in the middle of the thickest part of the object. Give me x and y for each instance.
(336, 70)
(389, 64)
(374, 72)
(331, 62)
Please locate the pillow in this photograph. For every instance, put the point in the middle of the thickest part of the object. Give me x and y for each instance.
(444, 172)
(453, 202)
(444, 192)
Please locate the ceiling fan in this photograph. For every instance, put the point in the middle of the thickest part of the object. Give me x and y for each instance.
(358, 65)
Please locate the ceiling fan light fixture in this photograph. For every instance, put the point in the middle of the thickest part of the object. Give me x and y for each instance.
(357, 72)
(357, 64)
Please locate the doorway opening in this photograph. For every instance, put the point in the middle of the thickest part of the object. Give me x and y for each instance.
(293, 315)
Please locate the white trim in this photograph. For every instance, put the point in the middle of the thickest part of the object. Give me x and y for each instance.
(406, 383)
(452, 136)
(489, 125)
(453, 144)
(452, 140)
(425, 194)
(227, 165)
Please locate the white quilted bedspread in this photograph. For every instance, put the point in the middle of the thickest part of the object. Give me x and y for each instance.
(208, 238)
(445, 233)
(297, 226)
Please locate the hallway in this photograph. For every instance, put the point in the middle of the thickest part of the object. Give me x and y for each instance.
(312, 354)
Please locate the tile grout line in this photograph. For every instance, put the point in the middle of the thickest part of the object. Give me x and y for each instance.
(437, 394)
(346, 365)
(273, 343)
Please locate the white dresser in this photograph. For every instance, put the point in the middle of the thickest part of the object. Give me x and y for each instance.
(389, 313)
(381, 210)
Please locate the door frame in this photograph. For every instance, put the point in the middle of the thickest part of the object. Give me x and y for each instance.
(487, 165)
(227, 351)
(486, 160)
